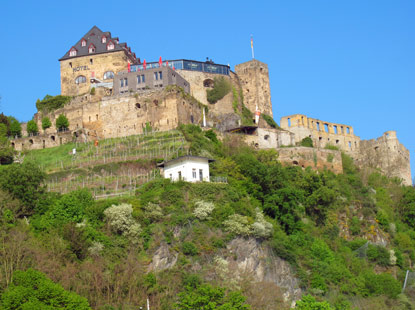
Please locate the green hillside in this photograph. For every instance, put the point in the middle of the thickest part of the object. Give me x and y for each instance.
(268, 236)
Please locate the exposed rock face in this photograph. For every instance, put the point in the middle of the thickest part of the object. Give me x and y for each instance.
(163, 258)
(250, 256)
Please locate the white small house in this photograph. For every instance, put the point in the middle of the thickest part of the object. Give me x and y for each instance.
(187, 168)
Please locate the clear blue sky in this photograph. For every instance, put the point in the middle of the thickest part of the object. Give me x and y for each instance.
(345, 61)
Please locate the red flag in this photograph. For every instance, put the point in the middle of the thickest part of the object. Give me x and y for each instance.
(160, 62)
(129, 67)
(173, 68)
(144, 64)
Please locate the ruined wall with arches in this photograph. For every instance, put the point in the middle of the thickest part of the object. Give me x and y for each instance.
(322, 133)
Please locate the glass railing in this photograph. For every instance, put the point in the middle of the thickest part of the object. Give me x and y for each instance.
(186, 65)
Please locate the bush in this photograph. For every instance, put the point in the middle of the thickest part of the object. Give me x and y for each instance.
(15, 129)
(121, 221)
(189, 248)
(50, 103)
(270, 121)
(62, 122)
(31, 289)
(221, 88)
(46, 123)
(378, 254)
(307, 142)
(308, 302)
(92, 92)
(261, 228)
(203, 209)
(153, 212)
(32, 127)
(238, 225)
(382, 284)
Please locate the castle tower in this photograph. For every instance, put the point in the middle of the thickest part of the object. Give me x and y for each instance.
(254, 79)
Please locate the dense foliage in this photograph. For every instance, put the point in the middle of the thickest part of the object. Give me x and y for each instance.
(169, 242)
(220, 89)
(307, 142)
(46, 123)
(51, 103)
(32, 127)
(62, 122)
(270, 121)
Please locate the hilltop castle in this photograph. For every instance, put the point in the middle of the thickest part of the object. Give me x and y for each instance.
(116, 94)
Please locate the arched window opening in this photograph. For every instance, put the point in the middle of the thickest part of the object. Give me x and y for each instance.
(31, 141)
(53, 138)
(295, 162)
(108, 75)
(208, 83)
(138, 106)
(83, 42)
(104, 39)
(80, 79)
(266, 137)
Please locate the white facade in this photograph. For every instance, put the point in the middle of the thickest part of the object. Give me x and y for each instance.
(187, 168)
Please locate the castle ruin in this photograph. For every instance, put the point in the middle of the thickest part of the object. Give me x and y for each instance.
(115, 94)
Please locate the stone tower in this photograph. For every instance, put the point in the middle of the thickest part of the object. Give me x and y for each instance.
(254, 79)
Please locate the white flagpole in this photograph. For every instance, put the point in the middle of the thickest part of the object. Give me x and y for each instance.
(252, 46)
(148, 304)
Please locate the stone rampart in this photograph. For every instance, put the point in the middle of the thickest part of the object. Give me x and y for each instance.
(316, 158)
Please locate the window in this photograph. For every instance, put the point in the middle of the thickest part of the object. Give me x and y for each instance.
(122, 83)
(143, 78)
(91, 49)
(348, 130)
(83, 42)
(160, 75)
(326, 127)
(156, 76)
(72, 52)
(194, 173)
(126, 82)
(110, 46)
(200, 174)
(335, 129)
(108, 75)
(104, 39)
(138, 79)
(180, 175)
(80, 79)
(91, 61)
(289, 122)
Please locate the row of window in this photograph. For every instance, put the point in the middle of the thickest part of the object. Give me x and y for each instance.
(91, 49)
(82, 79)
(194, 175)
(141, 79)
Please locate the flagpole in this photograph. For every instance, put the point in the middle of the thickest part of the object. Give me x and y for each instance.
(252, 47)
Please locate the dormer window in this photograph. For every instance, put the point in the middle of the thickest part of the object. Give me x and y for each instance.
(116, 41)
(91, 49)
(72, 52)
(104, 39)
(83, 42)
(110, 46)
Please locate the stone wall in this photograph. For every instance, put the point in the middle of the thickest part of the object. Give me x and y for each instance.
(122, 115)
(254, 79)
(316, 158)
(42, 141)
(322, 133)
(91, 66)
(387, 154)
(264, 138)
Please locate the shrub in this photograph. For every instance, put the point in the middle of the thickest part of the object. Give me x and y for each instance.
(15, 129)
(382, 284)
(261, 228)
(153, 212)
(307, 142)
(51, 103)
(355, 225)
(46, 123)
(31, 289)
(189, 248)
(270, 121)
(62, 122)
(92, 92)
(3, 130)
(238, 225)
(32, 127)
(221, 88)
(203, 209)
(378, 254)
(71, 207)
(121, 221)
(308, 302)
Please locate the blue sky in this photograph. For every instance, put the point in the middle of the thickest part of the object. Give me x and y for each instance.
(345, 61)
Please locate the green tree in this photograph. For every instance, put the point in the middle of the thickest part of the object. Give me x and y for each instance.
(46, 123)
(220, 89)
(31, 289)
(207, 297)
(6, 151)
(308, 302)
(307, 141)
(62, 122)
(3, 130)
(15, 129)
(32, 127)
(23, 182)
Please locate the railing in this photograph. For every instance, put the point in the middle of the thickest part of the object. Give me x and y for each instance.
(219, 179)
